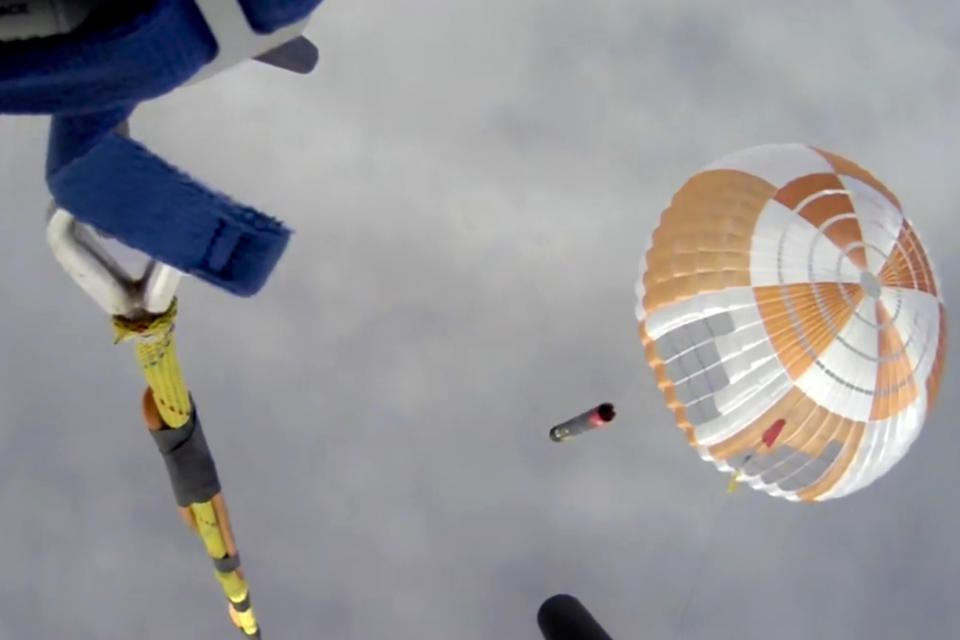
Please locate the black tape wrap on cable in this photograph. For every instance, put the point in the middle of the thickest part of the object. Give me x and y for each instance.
(190, 466)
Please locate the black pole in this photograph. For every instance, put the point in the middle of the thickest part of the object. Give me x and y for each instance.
(563, 617)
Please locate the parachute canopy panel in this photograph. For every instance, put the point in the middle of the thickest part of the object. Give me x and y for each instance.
(785, 292)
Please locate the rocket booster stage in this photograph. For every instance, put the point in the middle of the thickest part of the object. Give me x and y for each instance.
(588, 420)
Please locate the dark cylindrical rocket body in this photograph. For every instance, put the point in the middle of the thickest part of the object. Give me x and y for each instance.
(562, 617)
(586, 421)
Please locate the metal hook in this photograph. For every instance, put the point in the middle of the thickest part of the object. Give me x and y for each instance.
(103, 279)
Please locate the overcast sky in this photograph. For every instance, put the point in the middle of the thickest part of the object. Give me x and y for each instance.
(470, 184)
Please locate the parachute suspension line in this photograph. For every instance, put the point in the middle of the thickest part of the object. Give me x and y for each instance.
(700, 569)
(173, 422)
(734, 478)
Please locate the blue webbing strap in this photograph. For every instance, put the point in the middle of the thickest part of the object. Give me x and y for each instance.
(91, 81)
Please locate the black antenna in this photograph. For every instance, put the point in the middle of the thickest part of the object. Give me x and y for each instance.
(563, 617)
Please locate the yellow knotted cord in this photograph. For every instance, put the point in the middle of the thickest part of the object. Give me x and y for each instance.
(156, 351)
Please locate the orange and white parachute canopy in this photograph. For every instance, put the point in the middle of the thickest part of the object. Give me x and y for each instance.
(793, 321)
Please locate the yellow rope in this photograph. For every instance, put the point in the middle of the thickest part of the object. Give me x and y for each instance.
(156, 351)
(234, 587)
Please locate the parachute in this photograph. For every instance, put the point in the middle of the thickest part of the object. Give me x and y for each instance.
(793, 321)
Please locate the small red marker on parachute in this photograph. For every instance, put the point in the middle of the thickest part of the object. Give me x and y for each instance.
(768, 438)
(595, 418)
(770, 435)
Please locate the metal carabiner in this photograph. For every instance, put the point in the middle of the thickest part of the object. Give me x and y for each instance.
(100, 275)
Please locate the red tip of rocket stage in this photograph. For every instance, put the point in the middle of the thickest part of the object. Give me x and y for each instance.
(603, 414)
